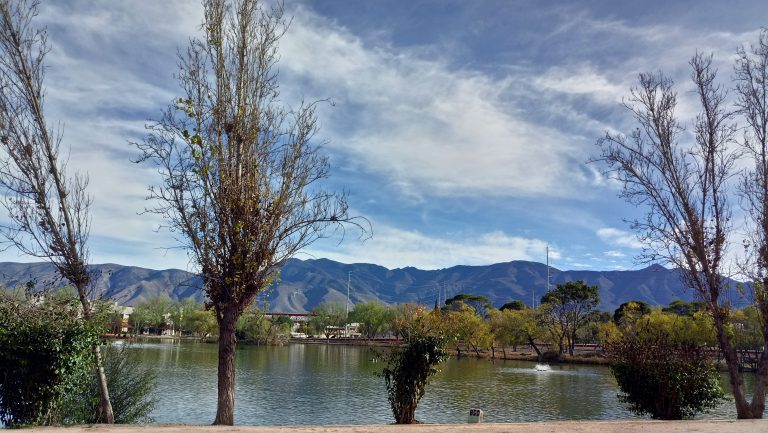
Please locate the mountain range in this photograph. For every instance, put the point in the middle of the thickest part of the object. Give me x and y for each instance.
(306, 283)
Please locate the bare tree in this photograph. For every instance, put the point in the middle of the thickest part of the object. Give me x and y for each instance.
(685, 189)
(751, 77)
(48, 210)
(240, 172)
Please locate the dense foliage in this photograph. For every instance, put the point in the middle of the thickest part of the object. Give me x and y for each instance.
(255, 327)
(479, 303)
(661, 366)
(131, 389)
(564, 311)
(373, 318)
(407, 372)
(43, 346)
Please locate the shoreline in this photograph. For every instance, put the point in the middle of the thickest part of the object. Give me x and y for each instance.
(585, 358)
(611, 426)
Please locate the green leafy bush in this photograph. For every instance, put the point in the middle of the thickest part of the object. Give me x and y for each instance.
(131, 390)
(408, 371)
(659, 374)
(43, 346)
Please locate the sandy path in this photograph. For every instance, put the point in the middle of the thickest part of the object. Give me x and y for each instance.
(628, 426)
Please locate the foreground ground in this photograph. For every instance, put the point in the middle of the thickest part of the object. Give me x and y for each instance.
(628, 426)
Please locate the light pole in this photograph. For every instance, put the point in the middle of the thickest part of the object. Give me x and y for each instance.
(346, 321)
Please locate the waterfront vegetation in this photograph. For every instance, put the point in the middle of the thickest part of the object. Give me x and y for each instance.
(47, 366)
(652, 351)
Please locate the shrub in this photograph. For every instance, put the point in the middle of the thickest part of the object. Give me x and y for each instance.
(43, 346)
(660, 375)
(131, 390)
(408, 371)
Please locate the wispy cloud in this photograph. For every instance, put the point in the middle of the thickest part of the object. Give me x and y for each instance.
(430, 122)
(395, 248)
(618, 237)
(436, 129)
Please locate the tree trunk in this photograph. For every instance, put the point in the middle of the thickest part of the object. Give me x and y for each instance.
(105, 414)
(533, 345)
(758, 396)
(225, 408)
(406, 415)
(477, 351)
(743, 409)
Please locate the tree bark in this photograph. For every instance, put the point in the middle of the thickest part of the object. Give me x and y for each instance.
(534, 346)
(758, 396)
(743, 409)
(106, 415)
(225, 409)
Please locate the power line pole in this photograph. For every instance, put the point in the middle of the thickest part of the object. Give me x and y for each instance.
(547, 268)
(346, 321)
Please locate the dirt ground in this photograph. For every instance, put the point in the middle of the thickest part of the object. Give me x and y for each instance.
(627, 426)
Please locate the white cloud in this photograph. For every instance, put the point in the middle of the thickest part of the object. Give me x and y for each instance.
(584, 80)
(618, 237)
(614, 253)
(395, 248)
(418, 121)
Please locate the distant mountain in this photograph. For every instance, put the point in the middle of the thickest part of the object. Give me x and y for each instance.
(307, 283)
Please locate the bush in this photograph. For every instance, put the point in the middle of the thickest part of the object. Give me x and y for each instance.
(43, 347)
(131, 390)
(660, 375)
(408, 371)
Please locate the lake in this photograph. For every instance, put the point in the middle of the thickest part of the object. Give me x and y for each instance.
(320, 384)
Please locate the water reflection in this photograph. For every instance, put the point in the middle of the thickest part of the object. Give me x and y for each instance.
(319, 384)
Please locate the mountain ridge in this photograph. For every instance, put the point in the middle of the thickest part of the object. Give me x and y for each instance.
(306, 283)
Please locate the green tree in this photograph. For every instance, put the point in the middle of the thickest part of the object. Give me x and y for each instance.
(590, 331)
(326, 317)
(630, 310)
(566, 309)
(479, 303)
(253, 326)
(661, 366)
(200, 322)
(682, 308)
(470, 329)
(513, 305)
(153, 314)
(512, 327)
(409, 367)
(374, 318)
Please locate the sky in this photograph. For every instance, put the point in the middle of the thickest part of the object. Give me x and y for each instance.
(460, 129)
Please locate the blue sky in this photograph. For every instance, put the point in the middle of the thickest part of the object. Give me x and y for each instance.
(460, 129)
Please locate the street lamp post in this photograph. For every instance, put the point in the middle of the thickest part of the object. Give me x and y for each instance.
(346, 321)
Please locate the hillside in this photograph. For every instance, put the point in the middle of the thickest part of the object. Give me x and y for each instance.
(307, 283)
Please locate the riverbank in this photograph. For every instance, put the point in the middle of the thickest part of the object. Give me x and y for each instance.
(587, 357)
(622, 426)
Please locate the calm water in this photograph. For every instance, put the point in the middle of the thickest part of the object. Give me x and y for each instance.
(318, 384)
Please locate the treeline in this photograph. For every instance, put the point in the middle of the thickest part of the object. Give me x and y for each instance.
(565, 317)
(162, 315)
